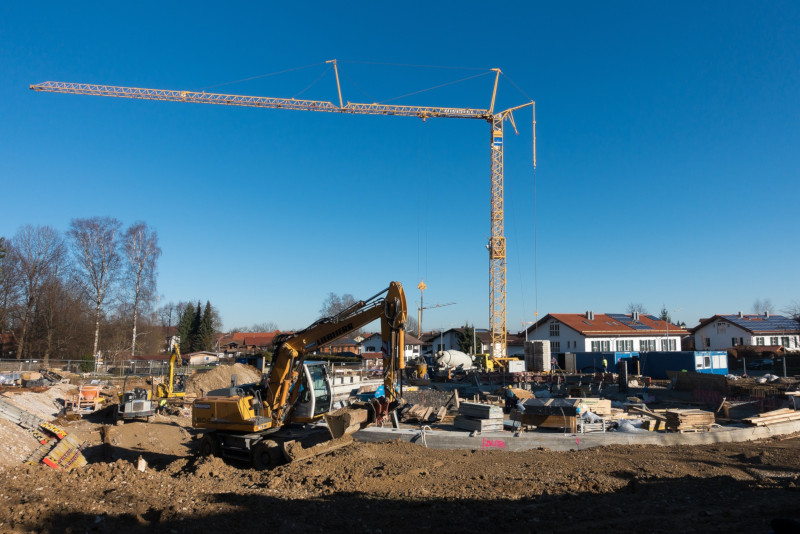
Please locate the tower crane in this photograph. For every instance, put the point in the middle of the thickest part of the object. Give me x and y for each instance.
(496, 120)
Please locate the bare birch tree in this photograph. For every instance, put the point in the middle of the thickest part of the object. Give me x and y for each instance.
(142, 252)
(35, 250)
(95, 242)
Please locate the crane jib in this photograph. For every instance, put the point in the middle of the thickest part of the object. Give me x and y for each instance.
(336, 333)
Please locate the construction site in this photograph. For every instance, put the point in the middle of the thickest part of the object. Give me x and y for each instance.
(548, 451)
(533, 437)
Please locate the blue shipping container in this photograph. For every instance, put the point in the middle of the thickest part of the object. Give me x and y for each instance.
(656, 364)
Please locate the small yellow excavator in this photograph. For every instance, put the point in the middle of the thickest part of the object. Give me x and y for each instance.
(175, 386)
(278, 419)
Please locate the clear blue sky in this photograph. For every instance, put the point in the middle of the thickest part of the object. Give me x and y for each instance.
(668, 150)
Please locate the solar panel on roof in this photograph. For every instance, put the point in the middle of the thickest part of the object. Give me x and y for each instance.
(627, 320)
(653, 317)
(759, 323)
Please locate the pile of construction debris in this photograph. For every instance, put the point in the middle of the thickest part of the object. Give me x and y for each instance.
(56, 448)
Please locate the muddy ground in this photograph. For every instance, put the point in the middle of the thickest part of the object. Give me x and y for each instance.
(389, 487)
(397, 487)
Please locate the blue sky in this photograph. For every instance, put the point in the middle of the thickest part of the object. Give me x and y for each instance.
(667, 147)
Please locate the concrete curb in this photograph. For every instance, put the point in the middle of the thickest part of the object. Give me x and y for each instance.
(437, 439)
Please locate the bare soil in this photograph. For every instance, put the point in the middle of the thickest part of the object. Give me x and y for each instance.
(397, 487)
(392, 487)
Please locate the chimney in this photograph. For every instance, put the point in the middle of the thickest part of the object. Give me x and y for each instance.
(741, 315)
(766, 315)
(590, 315)
(635, 316)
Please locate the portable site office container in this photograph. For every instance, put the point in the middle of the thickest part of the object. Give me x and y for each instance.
(590, 362)
(656, 364)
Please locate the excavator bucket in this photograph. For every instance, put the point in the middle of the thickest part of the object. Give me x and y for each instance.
(346, 420)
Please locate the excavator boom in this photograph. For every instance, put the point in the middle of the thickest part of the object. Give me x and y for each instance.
(290, 351)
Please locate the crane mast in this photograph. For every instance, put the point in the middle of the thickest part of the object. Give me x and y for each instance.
(497, 240)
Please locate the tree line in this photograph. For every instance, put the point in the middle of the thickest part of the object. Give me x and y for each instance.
(89, 292)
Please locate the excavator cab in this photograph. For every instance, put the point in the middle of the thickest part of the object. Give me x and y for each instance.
(315, 394)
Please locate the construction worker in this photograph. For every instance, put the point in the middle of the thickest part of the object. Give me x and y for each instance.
(605, 365)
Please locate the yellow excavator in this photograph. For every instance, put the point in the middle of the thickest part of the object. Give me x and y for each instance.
(175, 386)
(279, 418)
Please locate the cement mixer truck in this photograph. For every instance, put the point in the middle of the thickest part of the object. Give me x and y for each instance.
(453, 359)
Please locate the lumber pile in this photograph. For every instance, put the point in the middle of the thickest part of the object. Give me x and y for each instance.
(550, 413)
(689, 420)
(597, 406)
(656, 421)
(417, 413)
(775, 416)
(480, 417)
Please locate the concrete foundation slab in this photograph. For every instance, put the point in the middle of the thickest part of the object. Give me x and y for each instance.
(442, 439)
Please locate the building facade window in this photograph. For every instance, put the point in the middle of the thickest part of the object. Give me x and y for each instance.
(785, 341)
(624, 345)
(601, 346)
(668, 344)
(707, 342)
(555, 346)
(760, 341)
(554, 329)
(737, 341)
(647, 344)
(773, 340)
(721, 328)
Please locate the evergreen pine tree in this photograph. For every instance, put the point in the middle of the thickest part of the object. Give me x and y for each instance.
(194, 335)
(206, 334)
(185, 328)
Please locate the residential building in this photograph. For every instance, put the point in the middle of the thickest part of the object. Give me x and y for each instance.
(449, 340)
(722, 332)
(241, 343)
(605, 332)
(373, 342)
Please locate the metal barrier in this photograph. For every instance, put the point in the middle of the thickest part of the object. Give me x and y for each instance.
(120, 368)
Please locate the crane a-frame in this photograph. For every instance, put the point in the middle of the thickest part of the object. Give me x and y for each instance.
(497, 240)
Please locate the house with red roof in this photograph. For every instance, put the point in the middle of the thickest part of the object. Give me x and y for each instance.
(606, 332)
(239, 343)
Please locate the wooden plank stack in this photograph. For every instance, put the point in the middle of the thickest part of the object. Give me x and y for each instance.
(775, 416)
(480, 417)
(417, 413)
(689, 420)
(600, 407)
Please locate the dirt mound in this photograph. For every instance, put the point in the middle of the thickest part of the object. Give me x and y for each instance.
(220, 377)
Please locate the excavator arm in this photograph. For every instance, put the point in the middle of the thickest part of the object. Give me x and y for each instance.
(389, 306)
